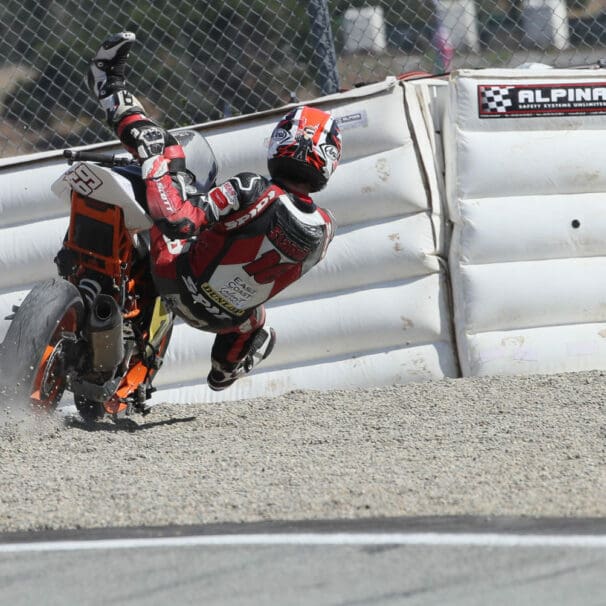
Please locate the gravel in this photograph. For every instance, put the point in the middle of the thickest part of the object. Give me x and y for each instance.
(498, 446)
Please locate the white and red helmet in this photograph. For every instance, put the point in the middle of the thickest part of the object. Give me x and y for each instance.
(305, 147)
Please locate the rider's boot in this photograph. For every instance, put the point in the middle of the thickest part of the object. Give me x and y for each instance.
(125, 114)
(107, 70)
(223, 375)
(107, 78)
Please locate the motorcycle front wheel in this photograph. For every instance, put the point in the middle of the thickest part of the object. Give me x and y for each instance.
(32, 353)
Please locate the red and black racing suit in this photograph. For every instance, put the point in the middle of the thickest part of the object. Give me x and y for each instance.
(215, 265)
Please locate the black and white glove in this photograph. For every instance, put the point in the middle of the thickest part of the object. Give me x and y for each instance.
(149, 141)
(106, 74)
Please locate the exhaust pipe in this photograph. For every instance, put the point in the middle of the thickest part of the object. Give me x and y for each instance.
(105, 334)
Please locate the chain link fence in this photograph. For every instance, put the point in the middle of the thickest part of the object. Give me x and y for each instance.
(198, 61)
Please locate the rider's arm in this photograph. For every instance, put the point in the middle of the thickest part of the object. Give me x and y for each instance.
(238, 200)
(171, 198)
(177, 214)
(163, 169)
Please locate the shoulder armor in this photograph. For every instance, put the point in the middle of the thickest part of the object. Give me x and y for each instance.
(248, 187)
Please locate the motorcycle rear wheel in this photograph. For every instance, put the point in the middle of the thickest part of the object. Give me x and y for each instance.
(32, 351)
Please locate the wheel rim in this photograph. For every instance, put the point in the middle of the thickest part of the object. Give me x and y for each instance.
(49, 380)
(52, 370)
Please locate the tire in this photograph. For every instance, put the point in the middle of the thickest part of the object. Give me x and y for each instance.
(30, 356)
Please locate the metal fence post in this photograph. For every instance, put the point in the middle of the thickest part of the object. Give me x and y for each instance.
(324, 57)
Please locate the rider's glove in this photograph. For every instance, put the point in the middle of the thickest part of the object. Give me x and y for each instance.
(149, 140)
(106, 74)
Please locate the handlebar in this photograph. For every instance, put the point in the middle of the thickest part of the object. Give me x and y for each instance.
(103, 158)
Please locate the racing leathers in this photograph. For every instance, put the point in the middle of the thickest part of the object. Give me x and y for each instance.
(219, 256)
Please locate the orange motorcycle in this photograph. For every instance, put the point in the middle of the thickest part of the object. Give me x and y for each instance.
(99, 330)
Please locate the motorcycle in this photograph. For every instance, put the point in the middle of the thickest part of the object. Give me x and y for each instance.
(99, 330)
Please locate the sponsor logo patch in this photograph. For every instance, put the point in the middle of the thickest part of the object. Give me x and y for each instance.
(280, 134)
(530, 100)
(286, 245)
(252, 211)
(354, 120)
(214, 296)
(201, 300)
(237, 292)
(224, 196)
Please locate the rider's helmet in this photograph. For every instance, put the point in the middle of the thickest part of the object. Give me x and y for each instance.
(199, 158)
(305, 146)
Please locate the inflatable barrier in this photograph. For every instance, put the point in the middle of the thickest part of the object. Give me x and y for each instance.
(375, 311)
(471, 236)
(526, 183)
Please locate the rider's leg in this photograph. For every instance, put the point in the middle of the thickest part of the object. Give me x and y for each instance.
(237, 350)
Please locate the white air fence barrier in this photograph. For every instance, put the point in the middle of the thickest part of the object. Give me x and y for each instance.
(526, 182)
(374, 312)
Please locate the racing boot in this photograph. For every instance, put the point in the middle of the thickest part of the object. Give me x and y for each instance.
(222, 376)
(106, 74)
(107, 78)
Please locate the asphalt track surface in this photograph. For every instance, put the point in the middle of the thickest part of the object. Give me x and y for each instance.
(184, 506)
(413, 561)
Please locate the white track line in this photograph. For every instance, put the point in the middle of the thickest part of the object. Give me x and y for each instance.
(324, 539)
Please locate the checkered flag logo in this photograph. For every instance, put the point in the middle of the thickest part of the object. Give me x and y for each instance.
(496, 99)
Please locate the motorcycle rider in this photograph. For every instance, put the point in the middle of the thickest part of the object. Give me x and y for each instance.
(217, 257)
